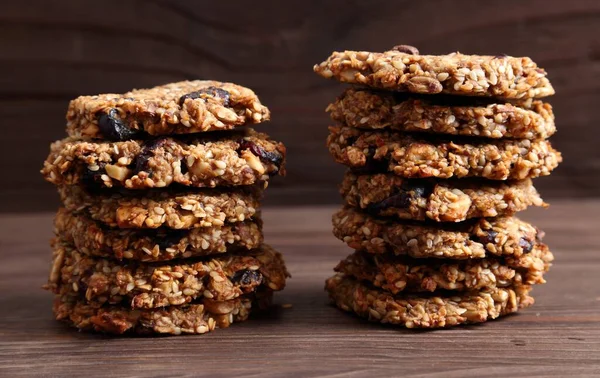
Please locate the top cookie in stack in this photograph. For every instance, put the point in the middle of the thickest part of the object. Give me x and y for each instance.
(156, 176)
(431, 140)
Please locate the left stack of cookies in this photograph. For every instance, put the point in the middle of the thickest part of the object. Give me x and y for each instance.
(160, 230)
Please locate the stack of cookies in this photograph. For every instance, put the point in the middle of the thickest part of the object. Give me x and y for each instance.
(160, 230)
(441, 151)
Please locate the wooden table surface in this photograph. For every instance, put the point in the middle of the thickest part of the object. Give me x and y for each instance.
(558, 336)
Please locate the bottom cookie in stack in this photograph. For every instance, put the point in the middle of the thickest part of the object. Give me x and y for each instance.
(198, 317)
(425, 310)
(429, 275)
(195, 295)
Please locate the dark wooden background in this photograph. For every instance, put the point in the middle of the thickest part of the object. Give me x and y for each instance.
(52, 51)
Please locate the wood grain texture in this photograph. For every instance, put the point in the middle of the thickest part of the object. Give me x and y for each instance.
(53, 51)
(559, 336)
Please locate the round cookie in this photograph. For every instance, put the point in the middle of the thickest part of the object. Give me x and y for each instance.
(439, 200)
(164, 208)
(177, 108)
(195, 318)
(93, 239)
(432, 156)
(218, 159)
(145, 286)
(397, 274)
(373, 110)
(425, 310)
(403, 69)
(502, 236)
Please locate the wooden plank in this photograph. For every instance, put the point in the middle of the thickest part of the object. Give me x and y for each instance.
(558, 336)
(55, 51)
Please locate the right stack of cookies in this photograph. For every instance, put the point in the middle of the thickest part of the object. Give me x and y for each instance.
(441, 151)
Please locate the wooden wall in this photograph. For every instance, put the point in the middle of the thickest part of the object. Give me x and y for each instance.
(52, 51)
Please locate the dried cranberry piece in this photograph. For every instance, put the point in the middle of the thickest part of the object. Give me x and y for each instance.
(141, 161)
(399, 201)
(92, 179)
(407, 193)
(372, 165)
(184, 167)
(490, 237)
(539, 235)
(526, 244)
(407, 49)
(213, 92)
(112, 128)
(247, 278)
(169, 239)
(273, 157)
(420, 190)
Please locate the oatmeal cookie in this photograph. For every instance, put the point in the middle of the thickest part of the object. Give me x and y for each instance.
(373, 110)
(403, 69)
(212, 159)
(439, 200)
(432, 156)
(195, 318)
(502, 236)
(400, 273)
(425, 310)
(163, 207)
(176, 108)
(145, 286)
(95, 239)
